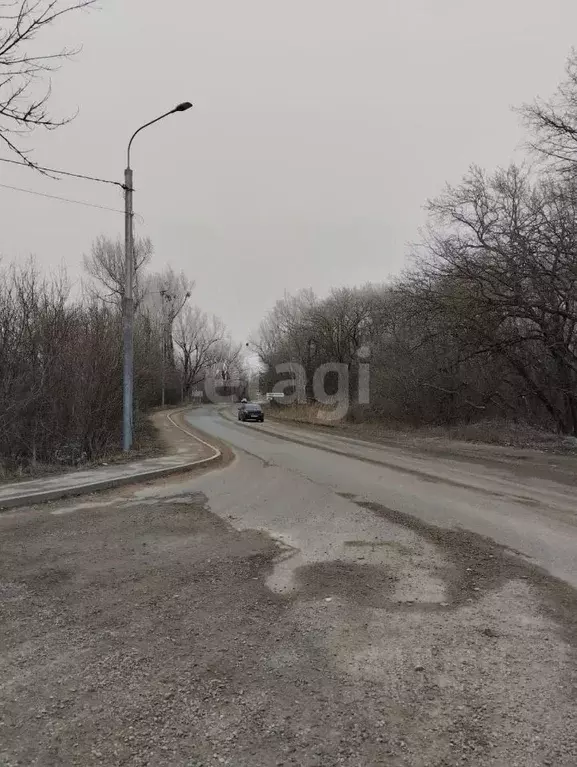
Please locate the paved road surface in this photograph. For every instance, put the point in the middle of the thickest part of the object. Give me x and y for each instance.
(305, 484)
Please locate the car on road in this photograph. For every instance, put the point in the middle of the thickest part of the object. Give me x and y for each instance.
(249, 411)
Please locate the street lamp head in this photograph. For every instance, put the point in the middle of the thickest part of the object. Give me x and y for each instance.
(183, 107)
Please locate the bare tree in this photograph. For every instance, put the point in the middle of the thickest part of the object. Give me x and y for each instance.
(166, 283)
(553, 122)
(22, 106)
(501, 272)
(105, 265)
(164, 295)
(312, 332)
(203, 345)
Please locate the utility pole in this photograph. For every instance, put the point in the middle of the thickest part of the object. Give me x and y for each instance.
(128, 302)
(128, 313)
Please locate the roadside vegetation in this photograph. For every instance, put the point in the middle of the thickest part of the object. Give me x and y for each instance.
(479, 335)
(61, 359)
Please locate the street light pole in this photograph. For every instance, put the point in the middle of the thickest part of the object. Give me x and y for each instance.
(128, 302)
(128, 315)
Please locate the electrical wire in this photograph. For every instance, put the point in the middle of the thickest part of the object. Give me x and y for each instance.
(62, 172)
(66, 199)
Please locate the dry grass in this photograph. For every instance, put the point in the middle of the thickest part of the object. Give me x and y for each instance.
(147, 444)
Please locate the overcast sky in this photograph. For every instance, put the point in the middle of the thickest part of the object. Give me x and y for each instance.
(320, 128)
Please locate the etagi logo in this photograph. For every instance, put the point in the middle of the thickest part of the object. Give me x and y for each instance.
(337, 401)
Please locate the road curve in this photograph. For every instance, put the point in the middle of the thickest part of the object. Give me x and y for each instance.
(533, 517)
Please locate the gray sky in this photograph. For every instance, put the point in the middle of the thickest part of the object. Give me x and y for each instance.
(320, 128)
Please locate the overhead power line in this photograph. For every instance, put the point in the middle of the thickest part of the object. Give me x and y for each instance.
(62, 199)
(63, 172)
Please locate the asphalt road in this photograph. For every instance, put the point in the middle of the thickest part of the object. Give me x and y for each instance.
(307, 480)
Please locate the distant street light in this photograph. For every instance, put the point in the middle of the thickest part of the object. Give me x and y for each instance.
(128, 303)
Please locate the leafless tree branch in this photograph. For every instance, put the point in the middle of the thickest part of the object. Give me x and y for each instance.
(25, 88)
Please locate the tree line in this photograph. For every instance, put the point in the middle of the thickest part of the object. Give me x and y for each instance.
(61, 354)
(483, 323)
